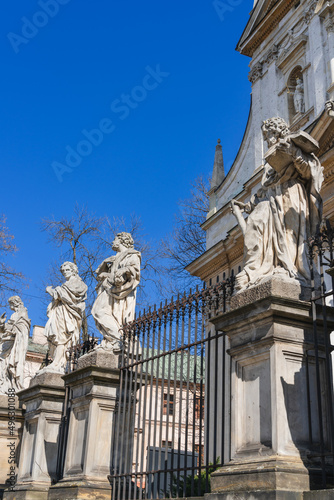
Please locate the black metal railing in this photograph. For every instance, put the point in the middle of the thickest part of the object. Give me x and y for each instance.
(321, 258)
(172, 399)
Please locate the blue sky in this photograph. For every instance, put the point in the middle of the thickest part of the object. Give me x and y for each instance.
(187, 87)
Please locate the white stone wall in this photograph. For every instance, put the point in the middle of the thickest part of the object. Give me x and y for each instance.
(269, 95)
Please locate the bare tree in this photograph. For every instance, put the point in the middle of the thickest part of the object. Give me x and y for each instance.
(78, 237)
(11, 281)
(187, 241)
(87, 240)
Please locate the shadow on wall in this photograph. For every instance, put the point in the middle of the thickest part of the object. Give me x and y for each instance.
(300, 399)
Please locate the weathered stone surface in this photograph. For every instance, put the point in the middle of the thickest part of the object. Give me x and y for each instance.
(14, 337)
(44, 401)
(271, 286)
(45, 379)
(267, 474)
(7, 436)
(272, 495)
(269, 336)
(65, 313)
(85, 490)
(100, 358)
(94, 387)
(275, 231)
(30, 492)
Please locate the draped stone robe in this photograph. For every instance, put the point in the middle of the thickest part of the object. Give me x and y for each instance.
(65, 312)
(284, 213)
(115, 304)
(13, 350)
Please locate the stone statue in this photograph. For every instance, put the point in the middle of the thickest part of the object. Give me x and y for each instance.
(115, 304)
(65, 314)
(285, 211)
(14, 337)
(298, 97)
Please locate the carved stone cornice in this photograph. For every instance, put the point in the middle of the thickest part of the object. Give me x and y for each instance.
(258, 69)
(327, 14)
(271, 21)
(295, 47)
(256, 72)
(265, 27)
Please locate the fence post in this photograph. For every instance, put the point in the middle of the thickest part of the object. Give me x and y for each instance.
(93, 389)
(271, 336)
(44, 401)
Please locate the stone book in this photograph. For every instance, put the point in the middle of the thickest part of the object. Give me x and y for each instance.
(279, 156)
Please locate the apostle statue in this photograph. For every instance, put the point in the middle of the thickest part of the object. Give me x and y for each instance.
(285, 211)
(65, 314)
(298, 97)
(14, 337)
(115, 304)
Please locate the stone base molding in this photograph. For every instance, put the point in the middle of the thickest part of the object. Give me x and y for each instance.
(11, 425)
(94, 389)
(273, 387)
(44, 400)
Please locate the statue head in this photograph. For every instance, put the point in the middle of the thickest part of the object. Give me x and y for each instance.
(274, 129)
(15, 302)
(68, 269)
(124, 239)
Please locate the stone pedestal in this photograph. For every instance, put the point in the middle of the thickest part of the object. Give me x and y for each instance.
(11, 424)
(274, 425)
(44, 401)
(93, 388)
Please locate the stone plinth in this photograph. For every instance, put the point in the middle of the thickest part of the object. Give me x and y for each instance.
(44, 401)
(270, 332)
(93, 387)
(11, 424)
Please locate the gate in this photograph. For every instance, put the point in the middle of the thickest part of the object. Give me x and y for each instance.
(173, 399)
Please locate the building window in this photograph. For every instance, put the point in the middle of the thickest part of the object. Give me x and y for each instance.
(169, 444)
(217, 279)
(199, 406)
(239, 269)
(168, 408)
(224, 276)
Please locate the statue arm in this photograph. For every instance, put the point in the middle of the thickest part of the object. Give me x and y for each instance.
(237, 208)
(2, 322)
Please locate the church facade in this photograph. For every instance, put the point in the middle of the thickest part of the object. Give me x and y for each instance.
(291, 49)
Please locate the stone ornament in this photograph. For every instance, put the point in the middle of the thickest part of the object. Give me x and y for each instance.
(65, 314)
(298, 97)
(285, 211)
(329, 107)
(14, 336)
(115, 304)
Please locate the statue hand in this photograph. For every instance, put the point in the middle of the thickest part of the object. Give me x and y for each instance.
(119, 280)
(50, 291)
(234, 204)
(300, 165)
(102, 276)
(329, 105)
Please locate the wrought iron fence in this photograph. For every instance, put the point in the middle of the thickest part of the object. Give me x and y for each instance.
(173, 399)
(321, 258)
